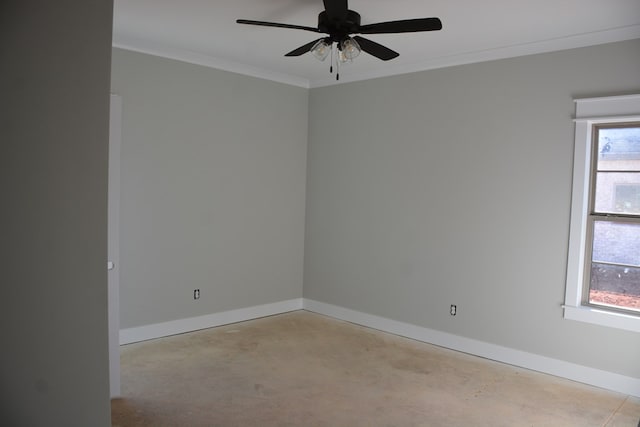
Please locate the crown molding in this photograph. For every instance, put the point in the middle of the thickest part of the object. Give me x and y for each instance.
(550, 45)
(208, 61)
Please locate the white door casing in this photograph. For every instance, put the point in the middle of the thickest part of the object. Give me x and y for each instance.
(113, 262)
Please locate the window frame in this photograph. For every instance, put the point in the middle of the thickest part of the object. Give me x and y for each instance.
(591, 112)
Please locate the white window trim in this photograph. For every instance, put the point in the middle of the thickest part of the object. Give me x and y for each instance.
(590, 111)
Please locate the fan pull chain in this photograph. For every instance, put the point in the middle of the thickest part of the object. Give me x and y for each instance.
(331, 62)
(333, 47)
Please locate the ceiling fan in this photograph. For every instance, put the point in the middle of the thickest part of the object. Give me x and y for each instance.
(340, 23)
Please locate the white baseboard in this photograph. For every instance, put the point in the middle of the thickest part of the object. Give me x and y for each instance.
(180, 326)
(595, 377)
(583, 374)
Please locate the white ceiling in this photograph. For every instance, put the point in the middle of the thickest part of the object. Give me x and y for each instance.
(205, 32)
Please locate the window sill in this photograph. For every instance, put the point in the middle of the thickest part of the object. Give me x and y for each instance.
(601, 317)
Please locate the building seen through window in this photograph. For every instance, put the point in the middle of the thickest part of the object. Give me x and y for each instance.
(614, 220)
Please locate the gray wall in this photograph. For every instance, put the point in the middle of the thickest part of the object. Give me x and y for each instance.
(213, 189)
(54, 68)
(453, 186)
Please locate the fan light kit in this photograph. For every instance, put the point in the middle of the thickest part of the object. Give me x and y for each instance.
(340, 23)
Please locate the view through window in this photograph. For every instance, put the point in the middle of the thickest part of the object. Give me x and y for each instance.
(614, 222)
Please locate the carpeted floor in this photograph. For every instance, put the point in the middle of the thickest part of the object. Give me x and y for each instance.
(304, 369)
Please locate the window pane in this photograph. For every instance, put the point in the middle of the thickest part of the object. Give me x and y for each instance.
(617, 192)
(615, 267)
(619, 148)
(616, 243)
(615, 286)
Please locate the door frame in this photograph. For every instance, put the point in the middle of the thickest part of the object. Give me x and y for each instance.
(113, 243)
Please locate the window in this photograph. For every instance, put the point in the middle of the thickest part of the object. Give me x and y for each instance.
(603, 275)
(613, 275)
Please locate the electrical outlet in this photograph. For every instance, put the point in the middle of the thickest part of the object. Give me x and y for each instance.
(196, 294)
(453, 310)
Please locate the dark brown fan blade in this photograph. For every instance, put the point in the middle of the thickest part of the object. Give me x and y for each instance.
(336, 9)
(403, 26)
(276, 24)
(303, 49)
(376, 49)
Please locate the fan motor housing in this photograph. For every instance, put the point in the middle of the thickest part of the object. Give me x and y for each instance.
(339, 29)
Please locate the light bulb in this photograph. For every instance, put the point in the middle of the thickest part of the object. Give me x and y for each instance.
(321, 50)
(350, 49)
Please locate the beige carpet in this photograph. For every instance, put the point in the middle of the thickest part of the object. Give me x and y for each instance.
(304, 369)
